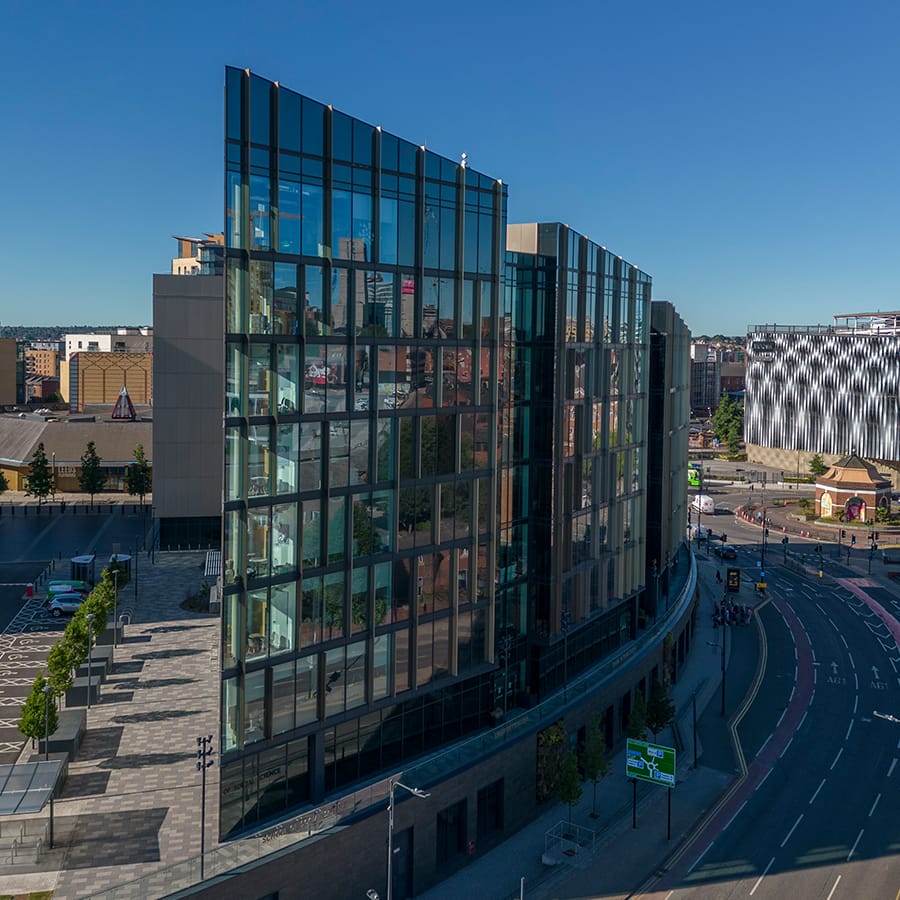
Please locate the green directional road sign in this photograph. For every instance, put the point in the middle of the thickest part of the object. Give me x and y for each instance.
(650, 762)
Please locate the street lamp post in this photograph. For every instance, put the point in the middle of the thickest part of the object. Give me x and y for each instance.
(115, 607)
(416, 792)
(47, 691)
(205, 753)
(716, 644)
(90, 622)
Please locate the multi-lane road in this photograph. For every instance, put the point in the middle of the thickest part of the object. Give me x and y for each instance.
(813, 813)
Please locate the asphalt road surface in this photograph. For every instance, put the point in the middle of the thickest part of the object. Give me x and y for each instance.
(815, 814)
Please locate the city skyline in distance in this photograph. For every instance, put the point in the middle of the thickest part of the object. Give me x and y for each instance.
(739, 157)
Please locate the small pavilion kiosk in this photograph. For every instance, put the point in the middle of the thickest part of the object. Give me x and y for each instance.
(852, 490)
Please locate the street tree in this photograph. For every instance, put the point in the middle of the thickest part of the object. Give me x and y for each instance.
(551, 747)
(137, 475)
(660, 709)
(92, 479)
(40, 475)
(817, 466)
(568, 787)
(39, 717)
(594, 759)
(637, 721)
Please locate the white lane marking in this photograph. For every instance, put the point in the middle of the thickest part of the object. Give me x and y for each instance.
(874, 805)
(696, 862)
(855, 703)
(816, 794)
(856, 680)
(861, 830)
(819, 608)
(833, 888)
(787, 837)
(672, 892)
(782, 713)
(759, 752)
(786, 747)
(849, 729)
(845, 642)
(766, 872)
(735, 815)
(814, 675)
(802, 720)
(764, 778)
(891, 769)
(840, 751)
(850, 657)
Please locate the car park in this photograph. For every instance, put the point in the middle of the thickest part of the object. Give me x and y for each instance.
(725, 551)
(65, 604)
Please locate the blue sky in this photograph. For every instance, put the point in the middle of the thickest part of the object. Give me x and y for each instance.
(745, 156)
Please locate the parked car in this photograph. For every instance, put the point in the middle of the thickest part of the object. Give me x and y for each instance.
(725, 551)
(66, 604)
(55, 588)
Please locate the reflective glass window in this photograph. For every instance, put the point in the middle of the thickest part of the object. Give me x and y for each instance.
(307, 690)
(258, 543)
(401, 660)
(312, 611)
(382, 667)
(232, 534)
(335, 603)
(233, 96)
(288, 451)
(255, 706)
(231, 631)
(359, 600)
(388, 230)
(356, 674)
(335, 661)
(312, 533)
(230, 714)
(257, 624)
(310, 456)
(313, 127)
(314, 308)
(260, 104)
(259, 461)
(284, 538)
(261, 297)
(234, 375)
(288, 214)
(283, 616)
(235, 285)
(288, 387)
(285, 310)
(312, 218)
(234, 463)
(289, 113)
(282, 698)
(337, 514)
(260, 202)
(383, 594)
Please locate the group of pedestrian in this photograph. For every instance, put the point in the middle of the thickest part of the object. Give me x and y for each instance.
(731, 613)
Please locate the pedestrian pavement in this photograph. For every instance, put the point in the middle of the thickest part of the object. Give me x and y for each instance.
(72, 498)
(131, 803)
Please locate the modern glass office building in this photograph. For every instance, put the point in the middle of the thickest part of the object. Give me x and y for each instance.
(435, 453)
(363, 278)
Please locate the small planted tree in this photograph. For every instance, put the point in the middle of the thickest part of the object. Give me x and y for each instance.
(61, 666)
(637, 721)
(550, 752)
(660, 709)
(137, 475)
(39, 716)
(40, 476)
(817, 466)
(568, 785)
(92, 479)
(594, 759)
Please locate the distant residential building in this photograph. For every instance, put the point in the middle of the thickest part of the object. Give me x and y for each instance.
(122, 340)
(732, 377)
(200, 256)
(43, 357)
(705, 374)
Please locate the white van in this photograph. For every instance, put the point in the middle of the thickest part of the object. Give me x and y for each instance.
(703, 503)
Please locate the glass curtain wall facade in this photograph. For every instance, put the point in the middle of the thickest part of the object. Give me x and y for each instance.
(574, 441)
(363, 367)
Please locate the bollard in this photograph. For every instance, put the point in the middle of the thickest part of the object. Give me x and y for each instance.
(29, 590)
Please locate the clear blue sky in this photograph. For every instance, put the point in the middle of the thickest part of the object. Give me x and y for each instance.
(744, 155)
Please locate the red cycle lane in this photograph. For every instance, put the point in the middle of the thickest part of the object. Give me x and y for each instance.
(713, 826)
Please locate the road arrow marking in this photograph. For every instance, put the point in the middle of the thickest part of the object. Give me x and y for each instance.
(875, 673)
(834, 668)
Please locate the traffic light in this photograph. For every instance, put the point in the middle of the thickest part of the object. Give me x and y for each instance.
(843, 533)
(875, 536)
(852, 538)
(767, 532)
